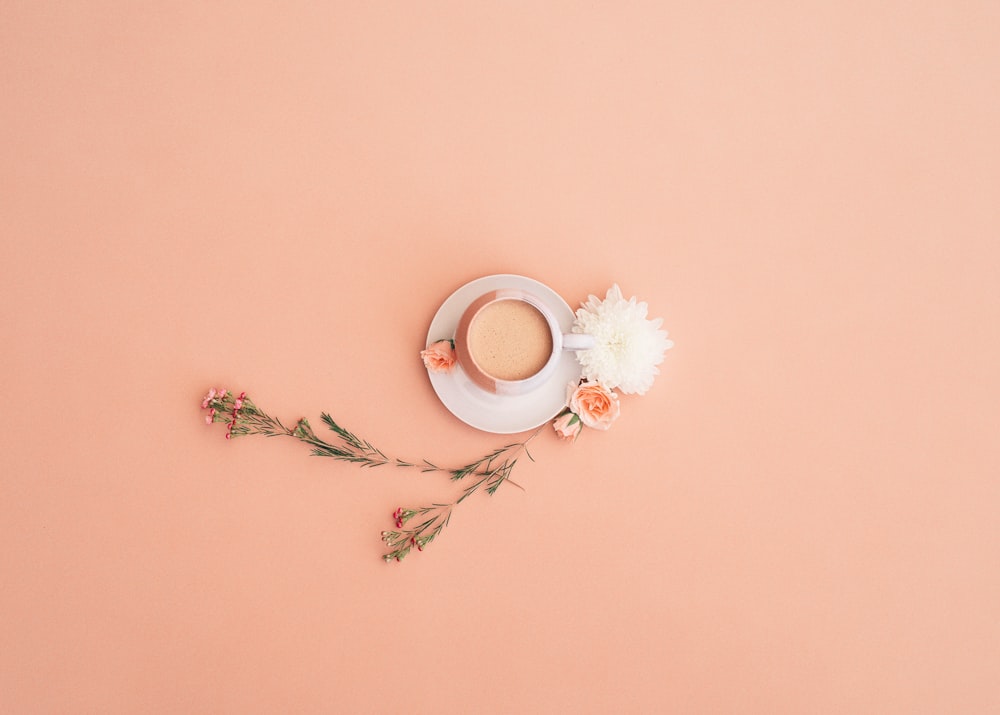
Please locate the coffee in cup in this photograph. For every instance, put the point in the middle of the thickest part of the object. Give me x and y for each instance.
(510, 340)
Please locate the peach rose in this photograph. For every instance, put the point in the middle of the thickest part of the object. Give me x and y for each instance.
(596, 405)
(567, 425)
(439, 356)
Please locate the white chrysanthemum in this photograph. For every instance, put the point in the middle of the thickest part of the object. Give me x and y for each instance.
(629, 347)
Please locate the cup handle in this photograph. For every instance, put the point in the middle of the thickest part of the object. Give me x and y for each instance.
(578, 341)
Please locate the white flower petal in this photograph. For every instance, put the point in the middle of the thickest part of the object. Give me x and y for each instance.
(629, 347)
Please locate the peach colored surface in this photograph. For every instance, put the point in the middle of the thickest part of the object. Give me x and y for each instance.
(801, 515)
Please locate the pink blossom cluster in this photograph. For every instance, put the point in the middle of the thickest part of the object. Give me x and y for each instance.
(237, 406)
(215, 400)
(209, 403)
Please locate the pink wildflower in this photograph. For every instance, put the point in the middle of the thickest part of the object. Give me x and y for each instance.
(208, 399)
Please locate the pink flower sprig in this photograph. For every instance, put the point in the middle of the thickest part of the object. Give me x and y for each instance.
(243, 417)
(401, 542)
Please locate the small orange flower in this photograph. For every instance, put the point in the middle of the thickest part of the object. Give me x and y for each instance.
(439, 356)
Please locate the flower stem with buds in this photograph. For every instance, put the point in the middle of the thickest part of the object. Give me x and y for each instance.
(243, 417)
(402, 541)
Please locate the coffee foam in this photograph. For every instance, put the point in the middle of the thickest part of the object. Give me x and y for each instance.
(510, 340)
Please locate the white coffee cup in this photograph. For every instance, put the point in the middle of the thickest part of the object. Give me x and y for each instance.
(511, 348)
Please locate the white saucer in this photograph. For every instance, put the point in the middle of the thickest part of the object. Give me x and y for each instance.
(495, 413)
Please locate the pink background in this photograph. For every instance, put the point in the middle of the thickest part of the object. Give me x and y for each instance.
(801, 515)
